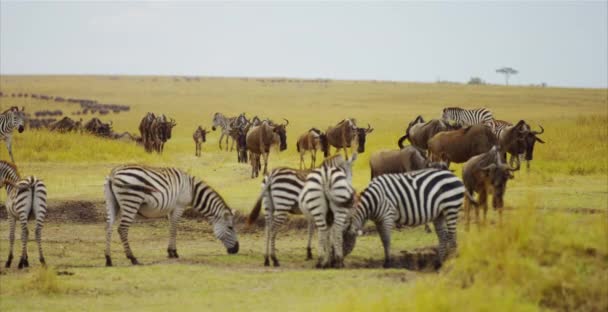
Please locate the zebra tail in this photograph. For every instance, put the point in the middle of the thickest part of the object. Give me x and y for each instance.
(112, 207)
(255, 212)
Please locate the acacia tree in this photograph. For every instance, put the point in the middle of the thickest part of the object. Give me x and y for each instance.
(507, 71)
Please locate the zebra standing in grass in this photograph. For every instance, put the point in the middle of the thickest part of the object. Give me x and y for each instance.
(327, 198)
(159, 192)
(26, 198)
(411, 199)
(224, 123)
(10, 119)
(280, 191)
(469, 117)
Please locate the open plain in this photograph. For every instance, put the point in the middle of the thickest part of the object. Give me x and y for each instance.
(551, 252)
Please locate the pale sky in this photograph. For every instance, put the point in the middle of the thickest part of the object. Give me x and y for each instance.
(560, 43)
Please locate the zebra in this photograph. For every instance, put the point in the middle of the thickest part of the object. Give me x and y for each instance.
(157, 192)
(327, 197)
(413, 198)
(26, 198)
(223, 122)
(10, 119)
(280, 191)
(469, 117)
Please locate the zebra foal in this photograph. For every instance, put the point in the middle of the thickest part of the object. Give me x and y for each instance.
(158, 192)
(411, 199)
(11, 119)
(26, 199)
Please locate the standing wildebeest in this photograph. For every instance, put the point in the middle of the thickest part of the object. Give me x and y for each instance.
(311, 141)
(407, 159)
(517, 140)
(259, 139)
(419, 132)
(199, 136)
(145, 130)
(344, 133)
(162, 128)
(486, 174)
(460, 145)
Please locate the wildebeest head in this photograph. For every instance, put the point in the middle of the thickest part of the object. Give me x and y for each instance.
(281, 131)
(361, 135)
(167, 129)
(530, 139)
(499, 173)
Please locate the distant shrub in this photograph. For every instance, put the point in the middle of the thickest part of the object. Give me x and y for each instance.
(476, 81)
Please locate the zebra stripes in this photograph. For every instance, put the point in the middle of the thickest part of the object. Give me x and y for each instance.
(469, 117)
(280, 191)
(158, 192)
(26, 199)
(327, 197)
(411, 199)
(11, 119)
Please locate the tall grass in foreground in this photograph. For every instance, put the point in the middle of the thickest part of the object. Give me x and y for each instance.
(534, 261)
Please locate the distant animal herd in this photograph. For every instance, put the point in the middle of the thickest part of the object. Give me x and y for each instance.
(409, 186)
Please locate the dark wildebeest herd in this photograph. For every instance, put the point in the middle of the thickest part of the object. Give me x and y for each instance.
(409, 186)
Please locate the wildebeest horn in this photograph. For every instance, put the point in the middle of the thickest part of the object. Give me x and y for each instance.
(401, 139)
(542, 130)
(491, 166)
(286, 122)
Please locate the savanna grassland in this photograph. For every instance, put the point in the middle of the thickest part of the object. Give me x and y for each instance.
(550, 253)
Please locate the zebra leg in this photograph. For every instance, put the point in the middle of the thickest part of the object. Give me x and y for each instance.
(442, 235)
(278, 221)
(268, 230)
(109, 223)
(174, 219)
(384, 230)
(123, 231)
(11, 239)
(336, 240)
(39, 225)
(9, 147)
(324, 248)
(311, 227)
(23, 263)
(220, 140)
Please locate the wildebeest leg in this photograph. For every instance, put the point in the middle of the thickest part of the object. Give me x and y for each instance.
(483, 201)
(302, 159)
(313, 158)
(467, 213)
(265, 156)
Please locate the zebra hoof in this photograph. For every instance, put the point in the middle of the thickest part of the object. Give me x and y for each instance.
(387, 265)
(9, 261)
(275, 262)
(172, 253)
(134, 261)
(42, 261)
(308, 253)
(23, 263)
(266, 262)
(108, 261)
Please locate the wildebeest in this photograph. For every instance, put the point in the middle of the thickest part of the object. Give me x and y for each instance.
(419, 132)
(312, 141)
(199, 136)
(407, 159)
(145, 130)
(96, 127)
(517, 140)
(460, 145)
(344, 133)
(67, 124)
(260, 138)
(486, 174)
(241, 145)
(162, 128)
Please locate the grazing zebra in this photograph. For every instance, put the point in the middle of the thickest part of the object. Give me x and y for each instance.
(280, 191)
(327, 197)
(26, 199)
(159, 192)
(199, 136)
(411, 199)
(10, 119)
(469, 117)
